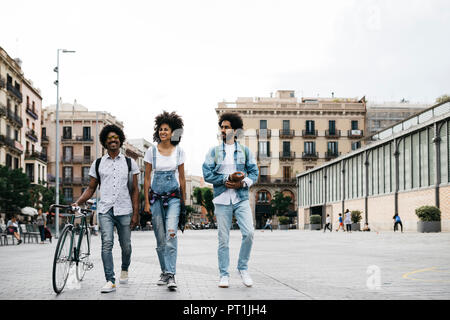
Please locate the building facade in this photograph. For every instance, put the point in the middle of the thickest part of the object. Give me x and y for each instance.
(290, 135)
(404, 167)
(11, 121)
(142, 146)
(78, 136)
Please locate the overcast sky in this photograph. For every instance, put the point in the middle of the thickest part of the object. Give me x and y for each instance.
(137, 58)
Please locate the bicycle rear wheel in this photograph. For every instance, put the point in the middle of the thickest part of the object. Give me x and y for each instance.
(84, 254)
(62, 259)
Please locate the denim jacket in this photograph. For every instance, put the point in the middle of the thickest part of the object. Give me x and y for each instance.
(244, 160)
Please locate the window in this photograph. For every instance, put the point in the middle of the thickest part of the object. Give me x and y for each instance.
(8, 131)
(310, 126)
(68, 194)
(332, 148)
(16, 135)
(67, 153)
(264, 148)
(354, 124)
(86, 133)
(16, 163)
(356, 145)
(9, 161)
(286, 173)
(286, 148)
(332, 126)
(29, 170)
(286, 126)
(67, 132)
(44, 132)
(310, 147)
(263, 124)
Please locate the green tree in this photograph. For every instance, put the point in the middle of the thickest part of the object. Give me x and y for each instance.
(14, 190)
(43, 197)
(279, 206)
(189, 211)
(204, 197)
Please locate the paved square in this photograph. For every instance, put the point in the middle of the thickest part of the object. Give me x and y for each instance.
(285, 265)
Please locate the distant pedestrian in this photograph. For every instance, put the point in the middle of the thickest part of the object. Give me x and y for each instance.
(341, 223)
(397, 221)
(41, 221)
(268, 224)
(348, 221)
(366, 227)
(12, 227)
(328, 224)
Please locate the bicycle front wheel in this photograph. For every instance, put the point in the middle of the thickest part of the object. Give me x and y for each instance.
(84, 262)
(62, 260)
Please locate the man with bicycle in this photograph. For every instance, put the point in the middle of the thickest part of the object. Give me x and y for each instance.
(118, 206)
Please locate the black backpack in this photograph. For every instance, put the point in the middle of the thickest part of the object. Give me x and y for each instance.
(130, 175)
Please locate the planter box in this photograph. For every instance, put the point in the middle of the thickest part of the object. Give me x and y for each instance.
(428, 226)
(314, 226)
(356, 226)
(283, 226)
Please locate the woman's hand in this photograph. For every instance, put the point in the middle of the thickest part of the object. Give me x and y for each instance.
(147, 207)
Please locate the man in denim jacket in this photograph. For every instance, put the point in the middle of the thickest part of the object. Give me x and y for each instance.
(232, 169)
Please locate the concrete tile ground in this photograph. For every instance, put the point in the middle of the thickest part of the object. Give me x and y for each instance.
(287, 265)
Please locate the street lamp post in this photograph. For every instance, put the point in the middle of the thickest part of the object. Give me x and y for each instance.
(57, 140)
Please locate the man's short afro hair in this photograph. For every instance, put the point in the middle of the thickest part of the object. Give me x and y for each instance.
(234, 118)
(111, 128)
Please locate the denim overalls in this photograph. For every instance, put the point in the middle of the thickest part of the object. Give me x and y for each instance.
(165, 219)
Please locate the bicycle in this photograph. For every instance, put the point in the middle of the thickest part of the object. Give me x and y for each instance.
(69, 251)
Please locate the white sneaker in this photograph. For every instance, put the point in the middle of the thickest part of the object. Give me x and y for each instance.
(223, 283)
(246, 279)
(108, 287)
(123, 277)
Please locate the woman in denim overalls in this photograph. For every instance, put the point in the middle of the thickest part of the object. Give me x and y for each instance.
(166, 193)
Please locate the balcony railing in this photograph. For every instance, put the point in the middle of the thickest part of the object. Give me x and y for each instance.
(31, 135)
(309, 133)
(15, 145)
(76, 180)
(287, 133)
(44, 139)
(14, 118)
(332, 154)
(355, 134)
(77, 139)
(77, 159)
(32, 113)
(332, 133)
(284, 156)
(16, 92)
(264, 133)
(36, 155)
(267, 180)
(310, 155)
(264, 156)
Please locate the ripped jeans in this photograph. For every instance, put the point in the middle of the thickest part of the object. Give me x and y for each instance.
(165, 225)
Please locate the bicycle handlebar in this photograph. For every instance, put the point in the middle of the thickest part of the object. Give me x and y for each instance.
(74, 211)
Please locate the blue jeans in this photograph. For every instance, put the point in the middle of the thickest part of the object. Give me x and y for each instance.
(165, 225)
(122, 223)
(224, 215)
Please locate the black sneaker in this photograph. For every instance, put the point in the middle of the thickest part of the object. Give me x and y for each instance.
(19, 242)
(164, 278)
(171, 284)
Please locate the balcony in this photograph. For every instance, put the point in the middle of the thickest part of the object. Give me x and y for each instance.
(44, 140)
(309, 133)
(2, 110)
(355, 134)
(264, 156)
(287, 134)
(310, 155)
(12, 144)
(14, 118)
(36, 155)
(332, 134)
(2, 82)
(75, 181)
(264, 133)
(14, 91)
(30, 134)
(267, 180)
(287, 156)
(77, 139)
(32, 113)
(77, 159)
(331, 155)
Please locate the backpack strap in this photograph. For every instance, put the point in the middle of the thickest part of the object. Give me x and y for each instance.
(97, 165)
(128, 163)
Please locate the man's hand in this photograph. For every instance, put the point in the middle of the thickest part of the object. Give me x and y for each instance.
(134, 221)
(236, 177)
(234, 184)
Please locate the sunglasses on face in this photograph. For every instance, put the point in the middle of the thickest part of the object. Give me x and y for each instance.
(112, 137)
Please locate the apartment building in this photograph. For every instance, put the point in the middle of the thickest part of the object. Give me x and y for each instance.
(289, 135)
(78, 135)
(11, 123)
(142, 146)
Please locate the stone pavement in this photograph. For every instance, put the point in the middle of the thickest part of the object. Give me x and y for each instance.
(294, 264)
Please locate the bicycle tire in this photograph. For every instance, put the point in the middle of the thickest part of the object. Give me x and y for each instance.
(63, 251)
(84, 252)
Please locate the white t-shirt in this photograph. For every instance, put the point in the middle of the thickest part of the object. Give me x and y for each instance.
(165, 163)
